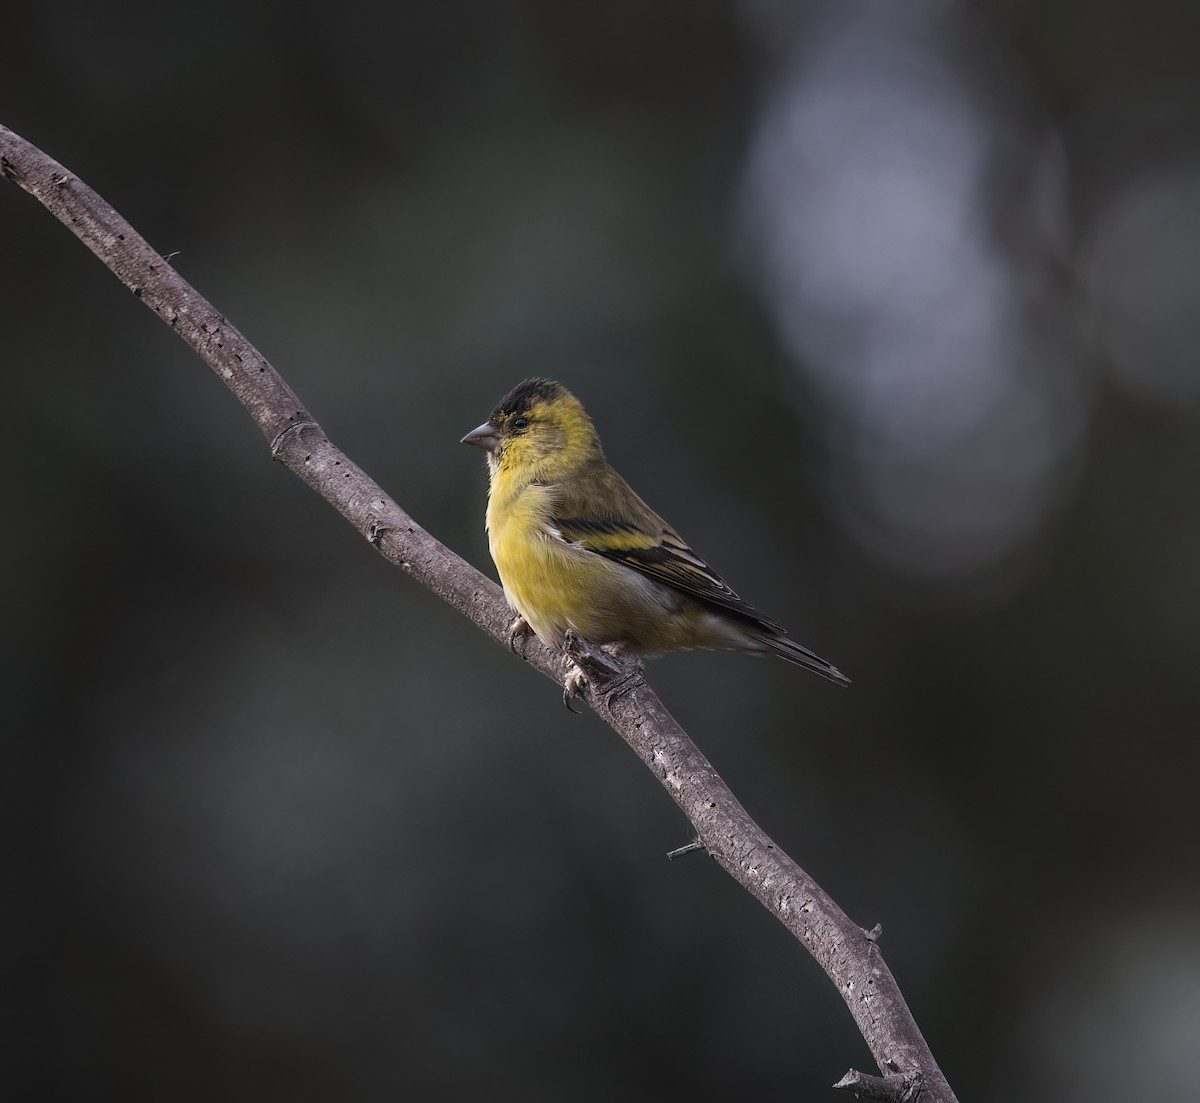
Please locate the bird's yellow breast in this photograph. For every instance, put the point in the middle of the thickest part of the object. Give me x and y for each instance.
(557, 586)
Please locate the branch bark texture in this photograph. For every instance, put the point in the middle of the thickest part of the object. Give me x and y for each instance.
(849, 955)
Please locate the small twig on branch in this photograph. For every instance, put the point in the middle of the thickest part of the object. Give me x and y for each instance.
(680, 851)
(904, 1088)
(615, 688)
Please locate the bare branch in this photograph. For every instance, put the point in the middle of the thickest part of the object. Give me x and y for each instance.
(848, 955)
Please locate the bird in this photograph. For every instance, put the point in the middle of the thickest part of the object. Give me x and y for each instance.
(578, 552)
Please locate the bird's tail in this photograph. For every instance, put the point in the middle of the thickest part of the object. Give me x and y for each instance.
(796, 653)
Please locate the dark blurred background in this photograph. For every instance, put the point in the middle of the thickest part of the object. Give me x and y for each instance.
(892, 308)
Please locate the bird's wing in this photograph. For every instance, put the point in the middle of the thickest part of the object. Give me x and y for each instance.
(598, 511)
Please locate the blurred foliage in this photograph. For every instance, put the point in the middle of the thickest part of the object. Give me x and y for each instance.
(892, 309)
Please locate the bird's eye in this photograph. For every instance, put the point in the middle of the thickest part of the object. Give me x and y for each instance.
(520, 423)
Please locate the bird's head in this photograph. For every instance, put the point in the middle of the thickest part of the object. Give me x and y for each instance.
(539, 428)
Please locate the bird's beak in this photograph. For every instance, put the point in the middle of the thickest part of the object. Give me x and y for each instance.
(484, 437)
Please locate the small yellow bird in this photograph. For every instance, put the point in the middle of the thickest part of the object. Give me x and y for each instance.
(578, 550)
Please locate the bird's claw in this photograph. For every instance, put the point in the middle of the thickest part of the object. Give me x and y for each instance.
(573, 685)
(519, 629)
(609, 668)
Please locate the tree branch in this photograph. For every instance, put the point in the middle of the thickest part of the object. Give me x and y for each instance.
(849, 955)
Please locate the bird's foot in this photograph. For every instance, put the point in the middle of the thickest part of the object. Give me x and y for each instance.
(601, 662)
(519, 629)
(573, 684)
(611, 667)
